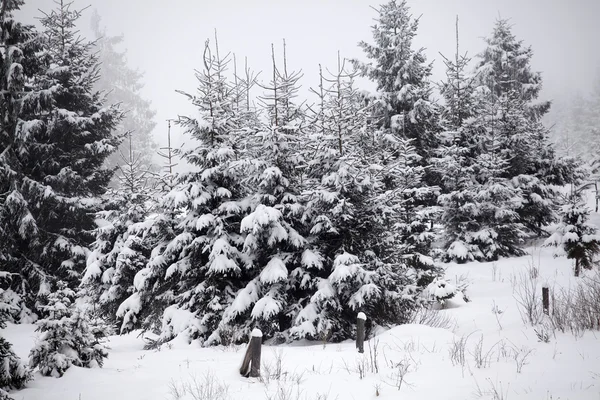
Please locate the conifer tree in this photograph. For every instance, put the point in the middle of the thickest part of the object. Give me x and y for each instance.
(352, 261)
(58, 134)
(17, 63)
(481, 216)
(273, 244)
(574, 235)
(66, 338)
(196, 269)
(122, 85)
(119, 251)
(13, 374)
(504, 69)
(401, 74)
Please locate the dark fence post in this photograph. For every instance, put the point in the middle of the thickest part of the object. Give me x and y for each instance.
(255, 344)
(251, 363)
(546, 300)
(360, 332)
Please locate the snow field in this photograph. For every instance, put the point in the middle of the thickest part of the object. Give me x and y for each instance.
(482, 349)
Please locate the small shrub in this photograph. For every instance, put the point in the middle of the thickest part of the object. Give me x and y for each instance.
(433, 318)
(529, 302)
(577, 309)
(440, 291)
(206, 387)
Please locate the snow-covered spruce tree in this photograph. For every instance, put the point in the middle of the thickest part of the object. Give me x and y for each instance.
(482, 218)
(401, 74)
(13, 374)
(196, 273)
(351, 262)
(504, 68)
(455, 159)
(19, 47)
(122, 85)
(65, 337)
(119, 251)
(273, 240)
(574, 236)
(17, 64)
(410, 196)
(58, 134)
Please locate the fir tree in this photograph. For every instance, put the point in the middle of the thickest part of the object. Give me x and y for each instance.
(66, 338)
(273, 240)
(482, 217)
(119, 251)
(575, 236)
(352, 261)
(19, 45)
(504, 69)
(13, 374)
(122, 85)
(17, 63)
(57, 136)
(196, 269)
(401, 74)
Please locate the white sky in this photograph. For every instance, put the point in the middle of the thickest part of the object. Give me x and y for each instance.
(165, 38)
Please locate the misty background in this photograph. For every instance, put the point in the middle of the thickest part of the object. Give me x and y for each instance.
(165, 40)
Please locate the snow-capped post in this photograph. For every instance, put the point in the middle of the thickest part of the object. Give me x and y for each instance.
(546, 299)
(255, 344)
(251, 363)
(360, 331)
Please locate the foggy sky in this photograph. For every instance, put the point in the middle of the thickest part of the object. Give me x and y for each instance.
(166, 38)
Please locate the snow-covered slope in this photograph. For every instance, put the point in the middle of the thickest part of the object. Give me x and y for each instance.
(413, 361)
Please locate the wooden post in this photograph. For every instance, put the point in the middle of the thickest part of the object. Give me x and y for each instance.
(251, 363)
(546, 300)
(255, 344)
(360, 332)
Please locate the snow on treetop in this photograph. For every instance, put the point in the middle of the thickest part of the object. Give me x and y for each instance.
(256, 332)
(361, 315)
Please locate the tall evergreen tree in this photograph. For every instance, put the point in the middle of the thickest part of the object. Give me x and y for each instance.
(57, 135)
(198, 269)
(18, 46)
(353, 260)
(401, 74)
(119, 251)
(504, 69)
(123, 85)
(272, 246)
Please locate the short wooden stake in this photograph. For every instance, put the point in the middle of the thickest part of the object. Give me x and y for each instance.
(360, 332)
(546, 300)
(255, 346)
(251, 363)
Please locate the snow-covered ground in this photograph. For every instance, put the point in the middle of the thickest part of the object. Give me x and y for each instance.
(413, 361)
(503, 357)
